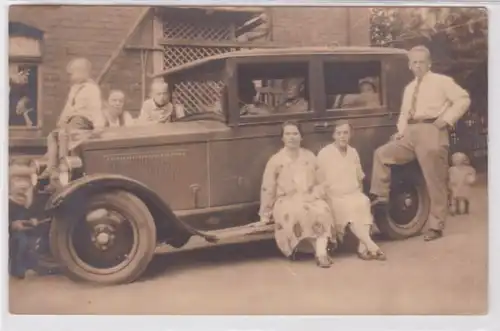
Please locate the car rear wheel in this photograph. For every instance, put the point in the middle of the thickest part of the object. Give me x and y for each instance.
(408, 209)
(109, 241)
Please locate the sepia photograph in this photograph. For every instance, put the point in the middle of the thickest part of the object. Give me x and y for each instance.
(239, 160)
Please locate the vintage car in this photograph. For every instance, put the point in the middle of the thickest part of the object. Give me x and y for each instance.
(124, 191)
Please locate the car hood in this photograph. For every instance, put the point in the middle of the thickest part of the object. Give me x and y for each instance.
(155, 134)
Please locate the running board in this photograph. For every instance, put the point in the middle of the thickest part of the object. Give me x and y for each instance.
(237, 232)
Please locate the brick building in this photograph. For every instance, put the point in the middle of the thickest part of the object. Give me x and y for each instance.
(127, 43)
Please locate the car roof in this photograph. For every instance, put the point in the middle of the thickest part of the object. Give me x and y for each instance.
(288, 51)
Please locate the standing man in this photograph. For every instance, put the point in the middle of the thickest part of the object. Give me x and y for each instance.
(432, 103)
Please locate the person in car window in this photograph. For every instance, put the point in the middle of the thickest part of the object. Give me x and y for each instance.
(288, 197)
(158, 108)
(293, 101)
(341, 175)
(248, 100)
(114, 114)
(368, 96)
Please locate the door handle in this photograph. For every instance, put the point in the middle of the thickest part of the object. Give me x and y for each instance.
(322, 126)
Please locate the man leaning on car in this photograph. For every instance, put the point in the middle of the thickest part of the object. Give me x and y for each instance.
(432, 103)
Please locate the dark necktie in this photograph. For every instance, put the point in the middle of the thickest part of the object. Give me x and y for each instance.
(413, 108)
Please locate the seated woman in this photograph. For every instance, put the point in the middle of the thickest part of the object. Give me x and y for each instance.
(288, 197)
(341, 175)
(114, 114)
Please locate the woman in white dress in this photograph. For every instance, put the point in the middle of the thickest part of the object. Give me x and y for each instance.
(288, 198)
(341, 175)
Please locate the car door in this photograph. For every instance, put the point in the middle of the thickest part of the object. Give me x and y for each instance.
(238, 163)
(373, 114)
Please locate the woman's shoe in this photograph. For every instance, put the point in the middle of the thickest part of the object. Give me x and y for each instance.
(365, 255)
(323, 261)
(379, 255)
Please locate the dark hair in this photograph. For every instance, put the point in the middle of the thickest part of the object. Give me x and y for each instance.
(291, 123)
(340, 123)
(368, 83)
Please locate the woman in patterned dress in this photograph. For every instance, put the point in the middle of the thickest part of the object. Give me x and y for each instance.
(289, 199)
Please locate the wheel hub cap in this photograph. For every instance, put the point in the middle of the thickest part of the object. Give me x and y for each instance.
(102, 238)
(408, 202)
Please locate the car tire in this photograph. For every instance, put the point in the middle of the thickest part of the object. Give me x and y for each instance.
(409, 206)
(54, 249)
(134, 264)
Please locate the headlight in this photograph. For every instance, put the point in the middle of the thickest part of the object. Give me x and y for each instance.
(70, 167)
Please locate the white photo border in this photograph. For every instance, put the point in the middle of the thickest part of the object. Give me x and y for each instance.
(275, 323)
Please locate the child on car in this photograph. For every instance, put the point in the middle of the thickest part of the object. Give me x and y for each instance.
(158, 108)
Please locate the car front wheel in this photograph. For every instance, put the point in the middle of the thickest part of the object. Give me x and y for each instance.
(408, 209)
(111, 240)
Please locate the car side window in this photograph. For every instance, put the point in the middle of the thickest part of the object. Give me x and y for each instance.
(273, 88)
(353, 85)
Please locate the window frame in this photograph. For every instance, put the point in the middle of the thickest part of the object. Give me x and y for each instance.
(17, 29)
(356, 111)
(234, 111)
(39, 114)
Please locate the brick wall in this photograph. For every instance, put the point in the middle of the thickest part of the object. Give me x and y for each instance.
(73, 31)
(320, 26)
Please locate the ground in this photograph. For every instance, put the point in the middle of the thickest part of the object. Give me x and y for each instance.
(447, 276)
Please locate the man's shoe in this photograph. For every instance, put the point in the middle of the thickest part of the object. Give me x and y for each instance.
(376, 200)
(433, 235)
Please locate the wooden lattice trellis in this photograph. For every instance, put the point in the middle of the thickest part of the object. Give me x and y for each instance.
(195, 96)
(207, 30)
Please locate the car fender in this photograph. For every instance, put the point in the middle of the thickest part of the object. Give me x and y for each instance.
(94, 183)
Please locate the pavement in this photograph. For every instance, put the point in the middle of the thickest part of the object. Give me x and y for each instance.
(448, 276)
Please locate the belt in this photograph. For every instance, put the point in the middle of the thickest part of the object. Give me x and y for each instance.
(419, 121)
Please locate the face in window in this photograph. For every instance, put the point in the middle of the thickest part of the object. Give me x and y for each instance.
(366, 88)
(292, 89)
(116, 101)
(159, 93)
(291, 136)
(342, 135)
(18, 75)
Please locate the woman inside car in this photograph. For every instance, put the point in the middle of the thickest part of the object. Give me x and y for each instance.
(288, 198)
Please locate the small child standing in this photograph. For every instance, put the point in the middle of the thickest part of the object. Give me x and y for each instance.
(21, 221)
(461, 177)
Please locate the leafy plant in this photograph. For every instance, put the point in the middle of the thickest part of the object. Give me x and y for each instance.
(456, 36)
